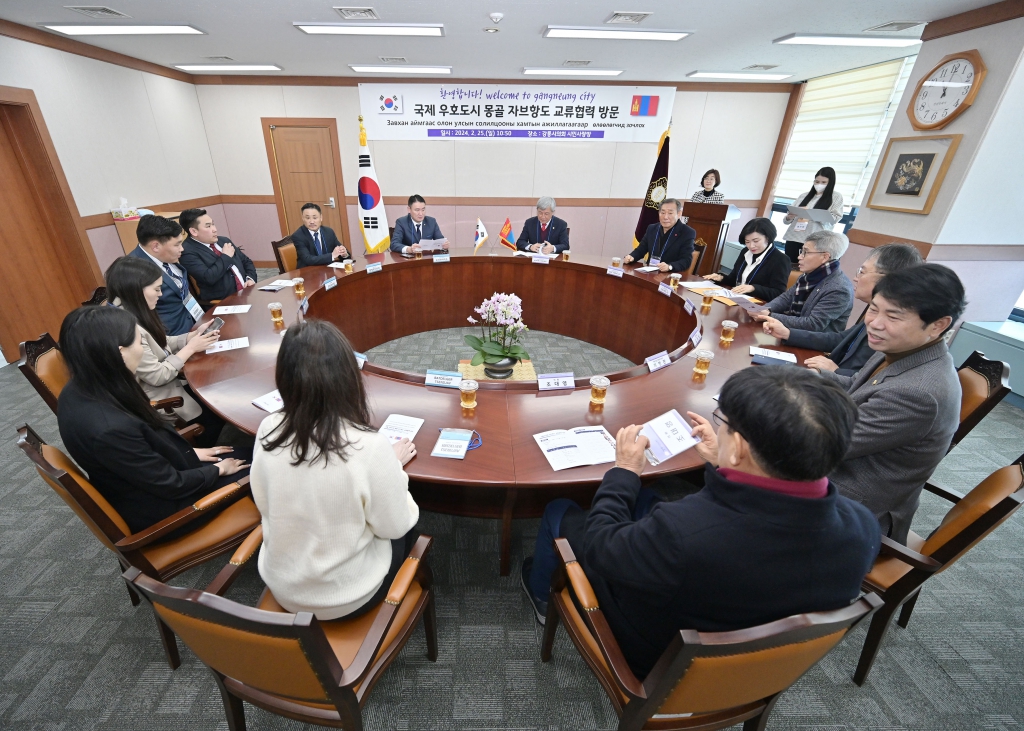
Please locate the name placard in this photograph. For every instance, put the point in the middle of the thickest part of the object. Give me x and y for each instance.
(615, 272)
(539, 259)
(304, 305)
(658, 361)
(375, 267)
(555, 381)
(445, 379)
(665, 289)
(360, 359)
(442, 258)
(330, 284)
(695, 336)
(688, 306)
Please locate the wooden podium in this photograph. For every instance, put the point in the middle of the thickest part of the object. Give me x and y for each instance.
(711, 222)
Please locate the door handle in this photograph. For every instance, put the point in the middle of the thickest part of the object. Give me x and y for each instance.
(330, 202)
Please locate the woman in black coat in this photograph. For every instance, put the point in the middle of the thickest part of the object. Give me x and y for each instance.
(762, 271)
(136, 460)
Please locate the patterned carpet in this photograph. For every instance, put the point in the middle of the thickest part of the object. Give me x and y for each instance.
(75, 655)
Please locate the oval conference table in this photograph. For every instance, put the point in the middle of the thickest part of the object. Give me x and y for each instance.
(508, 476)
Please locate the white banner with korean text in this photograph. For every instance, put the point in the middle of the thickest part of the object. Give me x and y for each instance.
(515, 111)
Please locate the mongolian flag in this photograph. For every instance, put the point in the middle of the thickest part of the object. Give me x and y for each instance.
(506, 237)
(480, 236)
(656, 191)
(373, 219)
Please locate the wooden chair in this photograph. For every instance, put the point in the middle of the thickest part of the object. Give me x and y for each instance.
(293, 665)
(900, 571)
(793, 276)
(148, 550)
(703, 680)
(983, 384)
(43, 366)
(99, 297)
(284, 252)
(699, 248)
(194, 287)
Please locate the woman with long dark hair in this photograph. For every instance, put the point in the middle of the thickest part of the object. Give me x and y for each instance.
(136, 460)
(338, 519)
(823, 196)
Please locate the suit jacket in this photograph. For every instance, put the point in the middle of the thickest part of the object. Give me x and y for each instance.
(770, 278)
(728, 557)
(676, 252)
(849, 349)
(306, 251)
(171, 306)
(906, 416)
(826, 309)
(405, 232)
(146, 474)
(213, 273)
(557, 234)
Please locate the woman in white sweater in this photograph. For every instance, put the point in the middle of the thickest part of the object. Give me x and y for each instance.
(338, 519)
(822, 195)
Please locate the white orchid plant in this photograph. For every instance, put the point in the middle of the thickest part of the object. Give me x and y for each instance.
(501, 328)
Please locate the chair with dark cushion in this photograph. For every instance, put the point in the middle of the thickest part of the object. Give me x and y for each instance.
(703, 680)
(900, 571)
(983, 384)
(293, 665)
(99, 297)
(284, 252)
(700, 247)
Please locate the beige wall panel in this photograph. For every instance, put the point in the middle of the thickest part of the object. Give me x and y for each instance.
(422, 166)
(494, 167)
(573, 169)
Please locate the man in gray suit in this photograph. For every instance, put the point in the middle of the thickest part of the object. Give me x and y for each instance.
(907, 395)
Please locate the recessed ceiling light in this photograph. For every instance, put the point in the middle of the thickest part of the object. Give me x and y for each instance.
(372, 29)
(566, 31)
(400, 70)
(124, 30)
(812, 39)
(228, 67)
(736, 75)
(571, 72)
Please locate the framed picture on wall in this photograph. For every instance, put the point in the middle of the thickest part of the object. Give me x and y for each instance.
(910, 173)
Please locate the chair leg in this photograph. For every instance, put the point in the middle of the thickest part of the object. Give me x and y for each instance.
(907, 610)
(758, 723)
(133, 595)
(233, 707)
(430, 628)
(876, 633)
(169, 642)
(550, 627)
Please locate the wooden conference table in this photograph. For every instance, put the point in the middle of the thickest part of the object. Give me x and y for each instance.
(508, 476)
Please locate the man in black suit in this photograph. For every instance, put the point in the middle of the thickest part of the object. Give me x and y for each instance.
(544, 233)
(669, 242)
(417, 226)
(160, 242)
(219, 268)
(316, 244)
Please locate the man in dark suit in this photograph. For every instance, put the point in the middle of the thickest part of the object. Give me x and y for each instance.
(415, 227)
(219, 268)
(316, 244)
(669, 243)
(160, 242)
(544, 233)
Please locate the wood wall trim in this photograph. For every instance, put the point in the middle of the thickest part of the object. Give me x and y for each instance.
(972, 19)
(70, 45)
(874, 240)
(248, 199)
(398, 200)
(796, 97)
(99, 220)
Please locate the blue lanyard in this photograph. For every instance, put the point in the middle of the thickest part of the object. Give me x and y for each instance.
(663, 243)
(767, 253)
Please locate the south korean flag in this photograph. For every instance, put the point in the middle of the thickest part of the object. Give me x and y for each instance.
(389, 104)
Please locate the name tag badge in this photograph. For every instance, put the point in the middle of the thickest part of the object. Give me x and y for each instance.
(445, 379)
(801, 225)
(539, 259)
(688, 306)
(555, 381)
(442, 258)
(666, 290)
(304, 305)
(695, 336)
(658, 361)
(374, 268)
(194, 308)
(330, 284)
(360, 359)
(653, 261)
(615, 272)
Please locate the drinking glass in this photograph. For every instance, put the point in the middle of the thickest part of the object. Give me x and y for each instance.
(617, 262)
(674, 279)
(299, 285)
(728, 331)
(707, 300)
(349, 266)
(467, 393)
(276, 314)
(565, 255)
(417, 254)
(598, 389)
(700, 370)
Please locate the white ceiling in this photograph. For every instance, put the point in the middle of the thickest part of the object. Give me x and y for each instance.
(727, 34)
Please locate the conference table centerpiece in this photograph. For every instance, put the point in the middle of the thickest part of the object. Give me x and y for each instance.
(502, 329)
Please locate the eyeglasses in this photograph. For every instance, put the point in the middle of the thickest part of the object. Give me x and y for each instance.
(861, 271)
(808, 252)
(718, 419)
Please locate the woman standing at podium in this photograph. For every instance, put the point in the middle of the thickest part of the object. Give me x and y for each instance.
(708, 192)
(822, 195)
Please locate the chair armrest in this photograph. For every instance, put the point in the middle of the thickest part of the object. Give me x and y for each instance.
(190, 432)
(210, 500)
(908, 556)
(168, 404)
(944, 492)
(227, 575)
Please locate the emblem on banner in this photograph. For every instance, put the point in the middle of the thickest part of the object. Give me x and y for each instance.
(390, 104)
(656, 193)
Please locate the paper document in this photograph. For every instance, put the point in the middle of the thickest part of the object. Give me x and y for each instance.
(776, 354)
(432, 244)
(231, 310)
(821, 215)
(397, 427)
(577, 447)
(752, 307)
(232, 344)
(270, 402)
(535, 253)
(646, 269)
(452, 443)
(669, 435)
(701, 285)
(272, 288)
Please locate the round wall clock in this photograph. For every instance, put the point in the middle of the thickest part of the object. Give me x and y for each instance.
(945, 92)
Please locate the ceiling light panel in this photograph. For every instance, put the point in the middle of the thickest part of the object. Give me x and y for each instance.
(571, 72)
(220, 67)
(736, 76)
(812, 39)
(125, 30)
(400, 70)
(619, 34)
(373, 29)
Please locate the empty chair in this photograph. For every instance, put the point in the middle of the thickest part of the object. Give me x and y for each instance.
(700, 247)
(284, 252)
(984, 383)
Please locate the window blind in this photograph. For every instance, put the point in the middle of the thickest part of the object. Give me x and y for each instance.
(842, 123)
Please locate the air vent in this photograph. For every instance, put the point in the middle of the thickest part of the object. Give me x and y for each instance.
(97, 11)
(218, 58)
(620, 17)
(894, 27)
(761, 67)
(357, 13)
(393, 59)
(576, 64)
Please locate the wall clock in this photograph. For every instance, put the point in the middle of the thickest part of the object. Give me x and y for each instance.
(945, 92)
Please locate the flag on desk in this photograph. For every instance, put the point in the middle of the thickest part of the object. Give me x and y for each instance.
(506, 237)
(657, 189)
(480, 237)
(373, 219)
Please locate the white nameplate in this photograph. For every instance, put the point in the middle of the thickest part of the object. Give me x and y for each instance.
(270, 402)
(695, 336)
(646, 270)
(232, 310)
(330, 284)
(442, 258)
(615, 272)
(540, 259)
(194, 308)
(233, 344)
(688, 306)
(304, 305)
(453, 443)
(658, 361)
(445, 379)
(665, 289)
(776, 354)
(555, 381)
(360, 359)
(373, 268)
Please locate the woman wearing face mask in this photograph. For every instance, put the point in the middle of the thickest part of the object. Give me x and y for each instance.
(762, 271)
(822, 195)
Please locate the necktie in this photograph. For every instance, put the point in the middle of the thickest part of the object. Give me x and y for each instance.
(543, 232)
(239, 284)
(419, 232)
(177, 280)
(316, 240)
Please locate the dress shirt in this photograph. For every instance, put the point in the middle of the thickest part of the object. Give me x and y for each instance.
(176, 272)
(239, 279)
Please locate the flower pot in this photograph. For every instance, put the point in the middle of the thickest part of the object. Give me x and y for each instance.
(500, 370)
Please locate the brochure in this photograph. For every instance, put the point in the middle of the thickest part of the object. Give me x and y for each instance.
(577, 447)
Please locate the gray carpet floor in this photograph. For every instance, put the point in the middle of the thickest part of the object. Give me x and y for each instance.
(74, 654)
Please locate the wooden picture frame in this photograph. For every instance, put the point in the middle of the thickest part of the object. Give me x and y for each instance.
(980, 71)
(939, 148)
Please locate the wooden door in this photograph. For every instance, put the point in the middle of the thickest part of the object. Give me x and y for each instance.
(304, 163)
(43, 267)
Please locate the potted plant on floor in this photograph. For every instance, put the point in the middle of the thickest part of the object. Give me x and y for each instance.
(502, 329)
